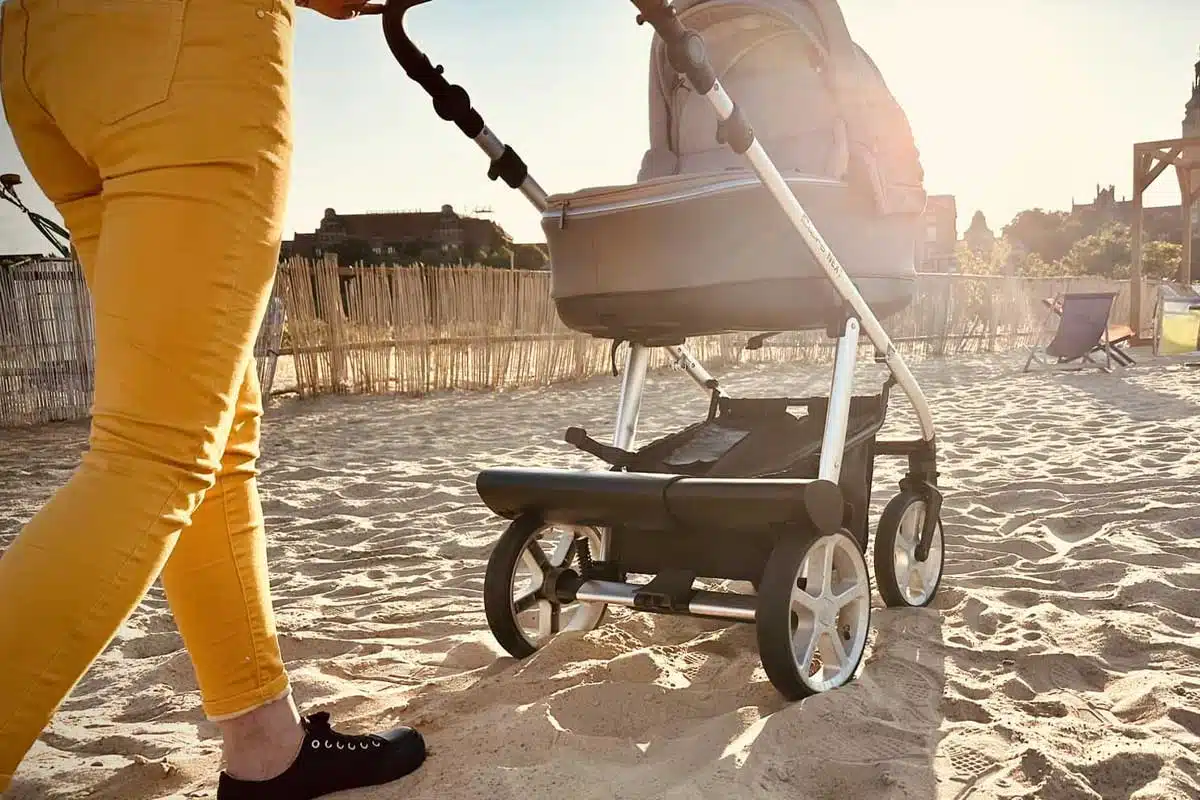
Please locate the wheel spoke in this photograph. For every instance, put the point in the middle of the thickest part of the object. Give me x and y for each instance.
(803, 601)
(916, 524)
(525, 601)
(855, 592)
(916, 578)
(827, 564)
(838, 647)
(564, 551)
(534, 551)
(804, 644)
(929, 569)
(819, 567)
(546, 619)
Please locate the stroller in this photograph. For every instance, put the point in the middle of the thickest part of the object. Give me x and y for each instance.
(770, 491)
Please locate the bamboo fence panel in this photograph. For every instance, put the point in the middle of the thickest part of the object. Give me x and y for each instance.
(415, 330)
(47, 343)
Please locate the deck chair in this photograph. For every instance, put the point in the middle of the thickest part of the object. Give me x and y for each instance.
(1083, 331)
(1117, 335)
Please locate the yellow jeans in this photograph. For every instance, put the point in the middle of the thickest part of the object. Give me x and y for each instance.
(161, 130)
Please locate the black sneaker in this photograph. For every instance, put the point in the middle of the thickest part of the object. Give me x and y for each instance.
(333, 762)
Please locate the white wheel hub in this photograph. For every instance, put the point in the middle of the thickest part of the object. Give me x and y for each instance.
(916, 579)
(830, 607)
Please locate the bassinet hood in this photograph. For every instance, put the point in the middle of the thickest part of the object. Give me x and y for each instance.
(818, 103)
(820, 22)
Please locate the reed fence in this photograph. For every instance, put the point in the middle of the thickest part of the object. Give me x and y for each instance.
(47, 346)
(416, 330)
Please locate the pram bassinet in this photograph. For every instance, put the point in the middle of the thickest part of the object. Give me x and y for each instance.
(698, 246)
(691, 255)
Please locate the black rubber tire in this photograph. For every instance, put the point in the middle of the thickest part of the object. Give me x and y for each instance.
(773, 617)
(497, 586)
(885, 548)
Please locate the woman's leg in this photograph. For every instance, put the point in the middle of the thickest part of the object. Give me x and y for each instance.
(222, 557)
(217, 585)
(191, 198)
(165, 139)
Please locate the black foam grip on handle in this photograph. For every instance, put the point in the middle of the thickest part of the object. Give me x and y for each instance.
(451, 102)
(509, 167)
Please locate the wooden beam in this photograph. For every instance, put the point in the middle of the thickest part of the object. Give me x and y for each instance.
(1150, 160)
(1140, 168)
(1164, 161)
(1188, 194)
(1142, 162)
(1185, 265)
(1173, 155)
(1167, 144)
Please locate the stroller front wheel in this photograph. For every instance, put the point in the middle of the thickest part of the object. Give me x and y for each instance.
(814, 613)
(523, 610)
(904, 580)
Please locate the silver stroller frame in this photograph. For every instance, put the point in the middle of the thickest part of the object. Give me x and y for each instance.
(909, 539)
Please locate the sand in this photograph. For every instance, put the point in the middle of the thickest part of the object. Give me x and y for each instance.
(1061, 660)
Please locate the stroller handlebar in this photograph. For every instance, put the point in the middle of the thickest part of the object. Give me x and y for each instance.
(452, 103)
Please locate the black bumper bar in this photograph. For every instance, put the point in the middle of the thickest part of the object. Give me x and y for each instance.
(660, 501)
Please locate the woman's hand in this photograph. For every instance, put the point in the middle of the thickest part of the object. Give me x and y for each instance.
(340, 9)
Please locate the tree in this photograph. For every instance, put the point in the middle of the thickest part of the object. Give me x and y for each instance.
(1161, 259)
(995, 260)
(1107, 253)
(1049, 234)
(1034, 266)
(1040, 243)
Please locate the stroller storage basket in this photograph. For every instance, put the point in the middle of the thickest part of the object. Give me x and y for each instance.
(747, 438)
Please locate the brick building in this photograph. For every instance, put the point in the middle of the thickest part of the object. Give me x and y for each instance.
(1191, 128)
(1159, 223)
(939, 235)
(429, 237)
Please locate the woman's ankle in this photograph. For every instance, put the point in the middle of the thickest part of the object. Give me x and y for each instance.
(263, 743)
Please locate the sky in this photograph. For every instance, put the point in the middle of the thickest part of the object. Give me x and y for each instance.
(1015, 104)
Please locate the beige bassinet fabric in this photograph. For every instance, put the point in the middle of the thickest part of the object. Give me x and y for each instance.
(691, 255)
(816, 100)
(697, 245)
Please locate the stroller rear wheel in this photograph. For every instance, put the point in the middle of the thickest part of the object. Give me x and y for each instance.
(814, 613)
(904, 580)
(522, 608)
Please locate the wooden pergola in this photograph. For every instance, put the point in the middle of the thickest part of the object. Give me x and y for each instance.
(1151, 160)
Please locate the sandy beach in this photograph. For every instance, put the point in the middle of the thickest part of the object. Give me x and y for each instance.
(1061, 660)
